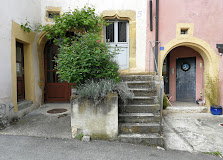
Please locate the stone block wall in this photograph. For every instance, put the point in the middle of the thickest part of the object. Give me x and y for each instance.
(99, 121)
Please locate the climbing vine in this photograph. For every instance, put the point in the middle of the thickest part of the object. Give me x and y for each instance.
(26, 27)
(72, 24)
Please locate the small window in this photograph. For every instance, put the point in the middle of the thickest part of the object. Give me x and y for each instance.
(183, 31)
(122, 35)
(110, 32)
(52, 14)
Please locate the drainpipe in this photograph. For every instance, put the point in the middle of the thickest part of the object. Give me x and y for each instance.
(156, 59)
(157, 36)
(151, 14)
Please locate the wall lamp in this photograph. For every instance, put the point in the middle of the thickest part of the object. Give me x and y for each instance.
(220, 48)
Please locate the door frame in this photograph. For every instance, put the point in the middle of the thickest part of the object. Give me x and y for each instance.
(130, 16)
(117, 44)
(28, 40)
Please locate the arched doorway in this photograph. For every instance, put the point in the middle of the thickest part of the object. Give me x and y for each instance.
(55, 89)
(183, 70)
(209, 56)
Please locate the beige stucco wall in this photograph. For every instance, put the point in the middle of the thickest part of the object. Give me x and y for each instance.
(12, 17)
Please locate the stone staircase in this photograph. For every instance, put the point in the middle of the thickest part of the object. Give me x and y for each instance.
(140, 119)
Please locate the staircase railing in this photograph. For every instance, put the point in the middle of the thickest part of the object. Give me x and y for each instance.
(154, 45)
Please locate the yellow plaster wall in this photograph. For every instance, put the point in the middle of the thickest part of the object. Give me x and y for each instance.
(41, 42)
(131, 17)
(211, 60)
(17, 34)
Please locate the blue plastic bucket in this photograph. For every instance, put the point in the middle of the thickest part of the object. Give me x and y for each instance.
(216, 110)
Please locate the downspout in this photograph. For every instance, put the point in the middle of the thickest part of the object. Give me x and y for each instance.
(151, 14)
(157, 36)
(161, 91)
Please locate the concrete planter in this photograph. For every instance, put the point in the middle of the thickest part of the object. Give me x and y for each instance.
(97, 121)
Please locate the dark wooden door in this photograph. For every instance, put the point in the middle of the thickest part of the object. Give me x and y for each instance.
(20, 72)
(55, 89)
(186, 79)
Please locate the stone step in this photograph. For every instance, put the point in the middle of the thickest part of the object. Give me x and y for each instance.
(145, 139)
(143, 100)
(142, 108)
(137, 77)
(141, 84)
(182, 109)
(137, 115)
(24, 104)
(144, 91)
(129, 128)
(138, 118)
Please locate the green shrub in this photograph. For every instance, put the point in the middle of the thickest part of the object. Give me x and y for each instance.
(165, 102)
(85, 59)
(82, 55)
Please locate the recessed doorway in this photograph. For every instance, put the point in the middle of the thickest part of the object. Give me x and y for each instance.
(20, 72)
(116, 35)
(56, 90)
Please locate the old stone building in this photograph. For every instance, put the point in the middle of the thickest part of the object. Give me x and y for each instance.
(185, 32)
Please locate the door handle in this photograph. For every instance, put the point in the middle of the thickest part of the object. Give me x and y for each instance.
(166, 79)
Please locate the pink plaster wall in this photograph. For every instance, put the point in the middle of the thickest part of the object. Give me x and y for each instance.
(183, 52)
(206, 15)
(149, 61)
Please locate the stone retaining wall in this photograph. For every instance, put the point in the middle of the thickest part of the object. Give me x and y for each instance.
(99, 121)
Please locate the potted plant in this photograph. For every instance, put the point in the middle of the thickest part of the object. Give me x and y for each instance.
(212, 92)
(165, 105)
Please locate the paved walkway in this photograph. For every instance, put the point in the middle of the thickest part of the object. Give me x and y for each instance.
(194, 132)
(197, 132)
(39, 123)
